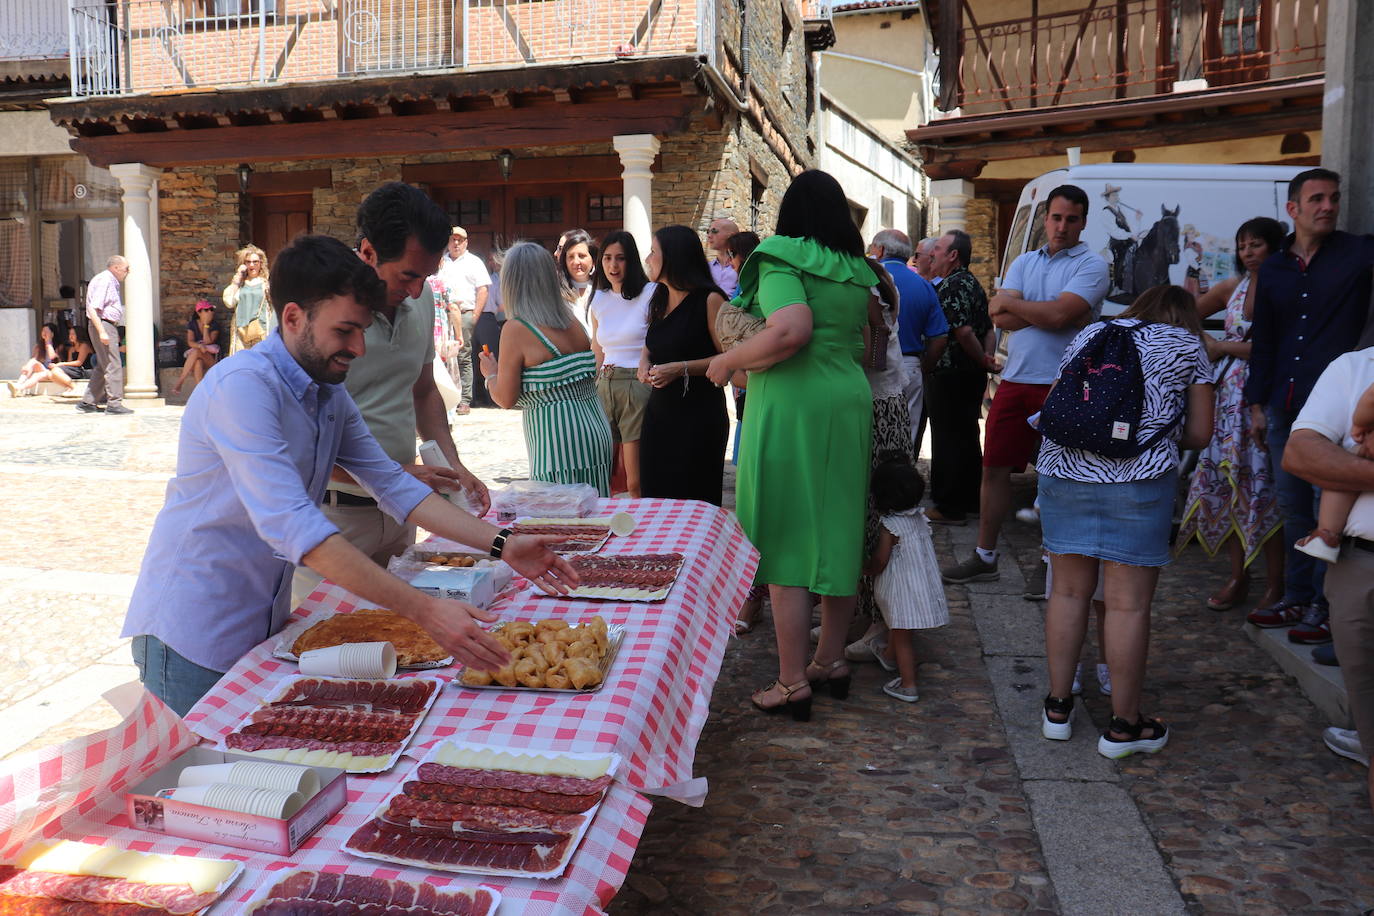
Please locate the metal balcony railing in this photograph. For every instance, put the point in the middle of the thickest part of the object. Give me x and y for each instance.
(177, 45)
(33, 30)
(1131, 49)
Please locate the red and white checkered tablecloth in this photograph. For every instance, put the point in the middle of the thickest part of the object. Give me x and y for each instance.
(656, 697)
(651, 710)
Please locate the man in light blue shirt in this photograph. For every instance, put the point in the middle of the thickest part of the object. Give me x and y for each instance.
(1046, 297)
(244, 506)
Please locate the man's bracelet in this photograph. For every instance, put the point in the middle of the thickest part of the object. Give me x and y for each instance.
(498, 543)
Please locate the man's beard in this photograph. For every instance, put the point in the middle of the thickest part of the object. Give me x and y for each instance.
(315, 363)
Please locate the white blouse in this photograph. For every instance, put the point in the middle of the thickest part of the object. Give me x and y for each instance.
(1172, 359)
(621, 324)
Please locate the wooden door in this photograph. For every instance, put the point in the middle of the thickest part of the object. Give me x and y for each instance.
(279, 218)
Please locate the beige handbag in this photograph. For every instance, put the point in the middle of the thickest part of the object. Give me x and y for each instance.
(734, 326)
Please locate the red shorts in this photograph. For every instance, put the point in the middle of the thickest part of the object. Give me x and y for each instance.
(1009, 441)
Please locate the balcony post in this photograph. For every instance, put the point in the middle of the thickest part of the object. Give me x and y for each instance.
(953, 195)
(637, 152)
(138, 186)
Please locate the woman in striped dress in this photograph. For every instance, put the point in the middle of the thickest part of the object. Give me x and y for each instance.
(547, 369)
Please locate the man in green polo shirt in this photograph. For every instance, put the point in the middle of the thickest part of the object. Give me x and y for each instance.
(402, 234)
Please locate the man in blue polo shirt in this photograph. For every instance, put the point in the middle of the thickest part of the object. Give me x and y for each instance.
(921, 326)
(1047, 296)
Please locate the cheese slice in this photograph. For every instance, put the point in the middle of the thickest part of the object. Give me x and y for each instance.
(70, 858)
(535, 764)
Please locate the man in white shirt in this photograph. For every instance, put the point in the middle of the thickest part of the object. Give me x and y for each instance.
(1316, 453)
(1047, 296)
(466, 284)
(717, 242)
(105, 313)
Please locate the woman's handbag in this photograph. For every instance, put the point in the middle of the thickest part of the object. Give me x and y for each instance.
(734, 326)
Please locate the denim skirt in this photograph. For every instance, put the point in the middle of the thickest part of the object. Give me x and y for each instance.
(1122, 522)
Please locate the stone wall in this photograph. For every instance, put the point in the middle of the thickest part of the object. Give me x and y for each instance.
(704, 172)
(981, 217)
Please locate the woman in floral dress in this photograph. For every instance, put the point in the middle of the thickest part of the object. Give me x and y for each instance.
(1231, 498)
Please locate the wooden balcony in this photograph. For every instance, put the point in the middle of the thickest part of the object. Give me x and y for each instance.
(1107, 52)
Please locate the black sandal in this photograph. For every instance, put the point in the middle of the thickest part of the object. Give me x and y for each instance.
(1135, 742)
(1053, 729)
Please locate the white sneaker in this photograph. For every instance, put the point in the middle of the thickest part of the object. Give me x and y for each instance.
(1346, 743)
(1077, 679)
(1056, 731)
(1104, 680)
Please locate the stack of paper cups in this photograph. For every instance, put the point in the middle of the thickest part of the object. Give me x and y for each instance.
(244, 799)
(355, 659)
(259, 774)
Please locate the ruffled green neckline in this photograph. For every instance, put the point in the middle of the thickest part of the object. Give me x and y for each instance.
(805, 255)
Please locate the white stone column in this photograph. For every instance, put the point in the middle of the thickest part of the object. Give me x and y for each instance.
(138, 184)
(637, 152)
(953, 195)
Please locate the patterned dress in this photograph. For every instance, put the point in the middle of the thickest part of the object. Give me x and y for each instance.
(908, 591)
(566, 431)
(1232, 489)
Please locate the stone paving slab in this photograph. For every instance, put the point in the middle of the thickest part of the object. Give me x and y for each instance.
(1010, 625)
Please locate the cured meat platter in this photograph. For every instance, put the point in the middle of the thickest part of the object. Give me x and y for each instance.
(66, 878)
(624, 576)
(579, 535)
(333, 894)
(491, 811)
(614, 636)
(359, 726)
(286, 641)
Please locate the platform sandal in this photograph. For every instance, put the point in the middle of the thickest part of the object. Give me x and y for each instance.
(1057, 729)
(799, 708)
(818, 674)
(1134, 742)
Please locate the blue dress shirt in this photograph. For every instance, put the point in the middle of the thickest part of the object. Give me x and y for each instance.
(258, 441)
(919, 316)
(1305, 316)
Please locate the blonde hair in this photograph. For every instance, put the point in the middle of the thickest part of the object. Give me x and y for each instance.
(242, 255)
(1167, 304)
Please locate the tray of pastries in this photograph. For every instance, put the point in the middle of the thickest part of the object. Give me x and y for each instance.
(414, 647)
(551, 655)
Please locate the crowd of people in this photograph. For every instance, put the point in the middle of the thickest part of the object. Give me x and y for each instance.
(839, 355)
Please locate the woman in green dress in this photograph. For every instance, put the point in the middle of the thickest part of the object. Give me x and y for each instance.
(547, 369)
(804, 454)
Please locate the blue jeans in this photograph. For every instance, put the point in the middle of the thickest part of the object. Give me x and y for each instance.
(173, 679)
(1303, 575)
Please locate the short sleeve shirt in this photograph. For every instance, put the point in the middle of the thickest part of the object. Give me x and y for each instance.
(1033, 354)
(382, 380)
(965, 304)
(462, 277)
(1329, 411)
(1172, 359)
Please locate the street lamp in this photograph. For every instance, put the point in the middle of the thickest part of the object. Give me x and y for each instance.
(505, 159)
(245, 172)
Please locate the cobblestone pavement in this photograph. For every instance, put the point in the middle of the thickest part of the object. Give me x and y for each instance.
(873, 807)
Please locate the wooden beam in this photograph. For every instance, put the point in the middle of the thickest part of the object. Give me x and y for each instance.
(265, 183)
(540, 170)
(501, 99)
(440, 132)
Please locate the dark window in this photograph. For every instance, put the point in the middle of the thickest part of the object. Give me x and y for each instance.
(755, 203)
(604, 208)
(539, 210)
(474, 212)
(885, 212)
(227, 9)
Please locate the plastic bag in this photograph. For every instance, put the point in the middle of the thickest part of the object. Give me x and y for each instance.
(416, 558)
(540, 499)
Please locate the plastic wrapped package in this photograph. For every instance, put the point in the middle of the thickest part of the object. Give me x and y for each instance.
(417, 558)
(538, 498)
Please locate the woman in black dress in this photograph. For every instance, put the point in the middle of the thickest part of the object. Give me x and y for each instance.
(682, 443)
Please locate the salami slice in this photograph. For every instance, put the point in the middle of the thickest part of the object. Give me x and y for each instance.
(384, 839)
(250, 743)
(473, 795)
(331, 893)
(482, 818)
(507, 779)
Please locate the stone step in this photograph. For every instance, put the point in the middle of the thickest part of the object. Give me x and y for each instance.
(1322, 685)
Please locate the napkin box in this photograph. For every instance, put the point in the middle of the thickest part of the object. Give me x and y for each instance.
(147, 811)
(474, 584)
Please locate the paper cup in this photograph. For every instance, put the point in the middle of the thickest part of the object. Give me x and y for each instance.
(243, 799)
(206, 775)
(283, 777)
(358, 659)
(622, 523)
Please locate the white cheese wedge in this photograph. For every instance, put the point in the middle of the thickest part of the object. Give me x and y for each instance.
(485, 759)
(71, 858)
(203, 875)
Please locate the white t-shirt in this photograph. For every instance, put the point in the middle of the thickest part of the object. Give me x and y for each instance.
(1328, 412)
(461, 278)
(621, 324)
(1172, 359)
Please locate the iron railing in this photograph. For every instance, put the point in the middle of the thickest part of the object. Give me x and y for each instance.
(1132, 48)
(33, 30)
(169, 45)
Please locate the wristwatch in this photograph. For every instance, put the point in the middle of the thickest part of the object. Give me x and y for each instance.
(498, 543)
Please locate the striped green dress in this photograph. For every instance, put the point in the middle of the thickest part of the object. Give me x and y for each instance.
(566, 431)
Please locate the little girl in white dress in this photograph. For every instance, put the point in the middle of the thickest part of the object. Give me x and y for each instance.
(907, 586)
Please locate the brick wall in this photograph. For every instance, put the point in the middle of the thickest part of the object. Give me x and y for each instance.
(982, 226)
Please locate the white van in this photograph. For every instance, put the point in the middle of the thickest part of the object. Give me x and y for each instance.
(1157, 223)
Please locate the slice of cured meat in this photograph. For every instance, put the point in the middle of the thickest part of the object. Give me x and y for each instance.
(332, 725)
(650, 572)
(392, 842)
(169, 898)
(47, 906)
(481, 818)
(474, 795)
(241, 742)
(508, 779)
(407, 695)
(330, 893)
